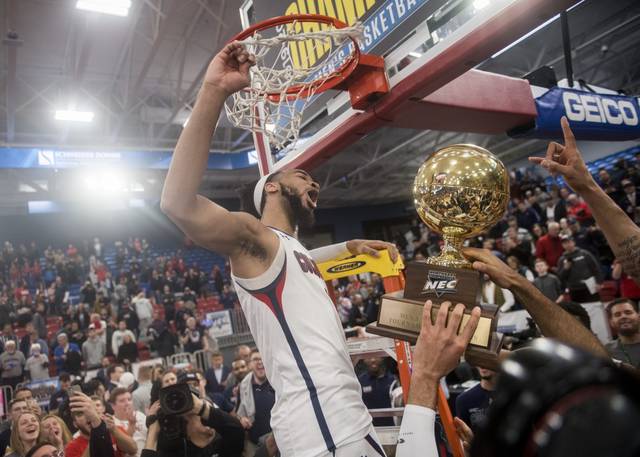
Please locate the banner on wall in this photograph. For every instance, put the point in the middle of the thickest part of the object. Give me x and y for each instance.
(43, 390)
(220, 323)
(59, 158)
(593, 116)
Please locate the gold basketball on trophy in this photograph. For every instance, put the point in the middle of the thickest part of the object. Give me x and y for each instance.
(460, 191)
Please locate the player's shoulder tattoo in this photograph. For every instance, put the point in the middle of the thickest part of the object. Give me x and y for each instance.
(629, 255)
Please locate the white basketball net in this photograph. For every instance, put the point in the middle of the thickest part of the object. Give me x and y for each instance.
(276, 71)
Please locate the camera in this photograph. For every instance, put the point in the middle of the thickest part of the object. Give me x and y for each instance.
(552, 400)
(175, 401)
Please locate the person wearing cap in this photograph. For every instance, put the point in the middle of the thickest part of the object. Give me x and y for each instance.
(11, 363)
(580, 271)
(94, 349)
(629, 200)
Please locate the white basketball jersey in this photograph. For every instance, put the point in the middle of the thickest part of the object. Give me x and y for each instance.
(298, 332)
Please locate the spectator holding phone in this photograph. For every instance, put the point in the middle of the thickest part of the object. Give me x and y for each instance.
(93, 434)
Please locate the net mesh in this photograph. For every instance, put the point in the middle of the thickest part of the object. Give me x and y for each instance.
(288, 56)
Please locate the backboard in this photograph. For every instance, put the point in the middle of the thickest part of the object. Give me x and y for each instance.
(426, 45)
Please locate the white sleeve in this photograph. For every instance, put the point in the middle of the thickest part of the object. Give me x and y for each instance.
(331, 252)
(417, 435)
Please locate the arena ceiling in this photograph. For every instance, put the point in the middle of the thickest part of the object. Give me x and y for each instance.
(140, 74)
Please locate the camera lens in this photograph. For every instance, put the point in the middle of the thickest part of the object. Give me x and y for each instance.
(175, 400)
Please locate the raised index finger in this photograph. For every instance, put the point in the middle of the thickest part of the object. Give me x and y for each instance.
(569, 138)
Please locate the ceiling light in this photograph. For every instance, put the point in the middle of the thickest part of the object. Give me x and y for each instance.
(479, 4)
(415, 54)
(74, 116)
(113, 7)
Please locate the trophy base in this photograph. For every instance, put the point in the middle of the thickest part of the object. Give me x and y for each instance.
(401, 318)
(478, 356)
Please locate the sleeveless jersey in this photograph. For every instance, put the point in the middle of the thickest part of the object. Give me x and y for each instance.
(298, 332)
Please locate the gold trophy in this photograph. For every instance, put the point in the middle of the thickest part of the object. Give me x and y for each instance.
(459, 191)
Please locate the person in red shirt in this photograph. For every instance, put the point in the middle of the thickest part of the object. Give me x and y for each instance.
(579, 210)
(93, 430)
(628, 287)
(549, 246)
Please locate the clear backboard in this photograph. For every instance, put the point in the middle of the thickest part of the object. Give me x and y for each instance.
(427, 45)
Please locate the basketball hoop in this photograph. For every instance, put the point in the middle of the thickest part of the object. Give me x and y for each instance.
(297, 57)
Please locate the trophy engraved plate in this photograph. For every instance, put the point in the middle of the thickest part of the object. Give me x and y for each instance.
(459, 191)
(406, 314)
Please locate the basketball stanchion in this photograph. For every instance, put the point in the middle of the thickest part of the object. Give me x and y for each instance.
(393, 280)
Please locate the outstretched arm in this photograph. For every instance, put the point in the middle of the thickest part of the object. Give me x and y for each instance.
(621, 232)
(554, 322)
(437, 352)
(208, 224)
(353, 247)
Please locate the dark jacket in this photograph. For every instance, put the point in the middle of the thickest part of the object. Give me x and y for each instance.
(212, 383)
(128, 351)
(583, 266)
(229, 440)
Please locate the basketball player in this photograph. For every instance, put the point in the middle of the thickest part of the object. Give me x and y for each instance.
(319, 409)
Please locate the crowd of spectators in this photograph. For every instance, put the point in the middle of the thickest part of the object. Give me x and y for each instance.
(66, 310)
(115, 413)
(157, 304)
(547, 235)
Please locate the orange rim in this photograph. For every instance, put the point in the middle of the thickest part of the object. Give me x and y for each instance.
(306, 89)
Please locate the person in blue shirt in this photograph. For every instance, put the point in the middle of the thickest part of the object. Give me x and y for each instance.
(62, 353)
(472, 405)
(377, 384)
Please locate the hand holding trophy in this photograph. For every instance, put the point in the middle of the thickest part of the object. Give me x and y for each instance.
(459, 191)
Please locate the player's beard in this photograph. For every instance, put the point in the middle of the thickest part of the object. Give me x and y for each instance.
(297, 213)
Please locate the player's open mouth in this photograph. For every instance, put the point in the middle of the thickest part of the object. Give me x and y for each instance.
(313, 198)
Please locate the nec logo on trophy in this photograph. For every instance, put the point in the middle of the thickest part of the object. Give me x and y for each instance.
(459, 191)
(440, 283)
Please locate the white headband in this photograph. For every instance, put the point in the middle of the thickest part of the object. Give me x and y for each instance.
(258, 191)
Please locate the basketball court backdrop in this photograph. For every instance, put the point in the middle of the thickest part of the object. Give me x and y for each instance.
(430, 49)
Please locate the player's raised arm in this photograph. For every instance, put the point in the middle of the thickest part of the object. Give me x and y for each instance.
(621, 232)
(207, 223)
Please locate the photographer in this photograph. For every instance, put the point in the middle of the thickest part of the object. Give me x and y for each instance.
(207, 431)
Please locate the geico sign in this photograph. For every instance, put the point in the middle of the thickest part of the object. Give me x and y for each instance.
(591, 108)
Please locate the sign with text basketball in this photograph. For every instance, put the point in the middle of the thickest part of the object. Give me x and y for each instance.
(381, 19)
